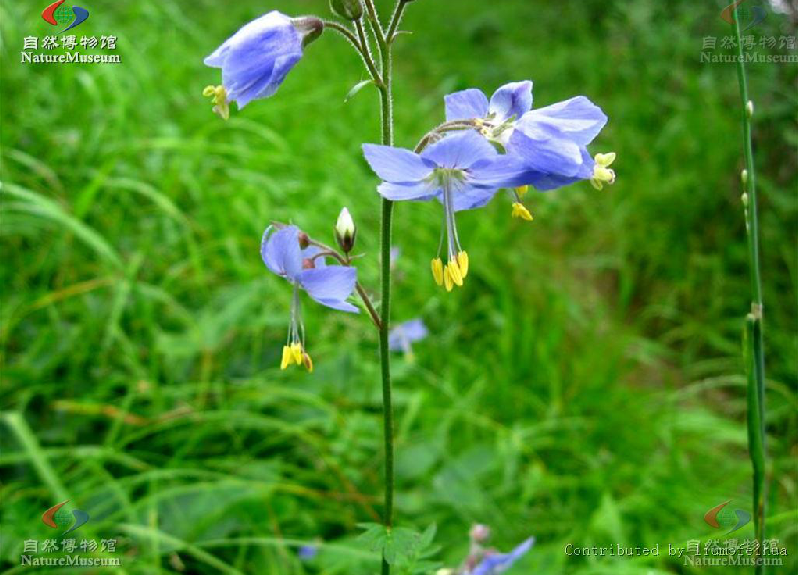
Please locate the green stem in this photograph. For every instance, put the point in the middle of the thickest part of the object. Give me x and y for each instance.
(386, 113)
(754, 345)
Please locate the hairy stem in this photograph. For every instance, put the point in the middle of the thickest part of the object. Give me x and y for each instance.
(386, 116)
(754, 345)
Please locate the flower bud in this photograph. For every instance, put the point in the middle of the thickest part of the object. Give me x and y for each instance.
(309, 27)
(479, 533)
(347, 9)
(744, 177)
(304, 240)
(749, 108)
(345, 231)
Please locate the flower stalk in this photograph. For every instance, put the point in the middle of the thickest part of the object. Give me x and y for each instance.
(753, 344)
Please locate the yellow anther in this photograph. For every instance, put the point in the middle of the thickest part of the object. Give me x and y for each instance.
(520, 211)
(454, 271)
(287, 358)
(602, 174)
(447, 279)
(296, 352)
(605, 159)
(219, 97)
(462, 261)
(308, 363)
(521, 191)
(437, 271)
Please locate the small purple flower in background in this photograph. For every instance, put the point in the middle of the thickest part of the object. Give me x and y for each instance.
(401, 336)
(308, 552)
(500, 562)
(551, 142)
(283, 253)
(481, 561)
(463, 171)
(256, 59)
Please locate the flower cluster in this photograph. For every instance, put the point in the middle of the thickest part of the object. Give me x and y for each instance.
(501, 143)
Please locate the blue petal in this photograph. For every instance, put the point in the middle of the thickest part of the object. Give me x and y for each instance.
(511, 100)
(396, 165)
(501, 562)
(421, 191)
(545, 151)
(405, 333)
(466, 105)
(470, 198)
(578, 119)
(460, 150)
(309, 252)
(330, 286)
(543, 181)
(281, 253)
(268, 84)
(505, 171)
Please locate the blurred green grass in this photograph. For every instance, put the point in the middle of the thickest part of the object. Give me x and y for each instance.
(585, 387)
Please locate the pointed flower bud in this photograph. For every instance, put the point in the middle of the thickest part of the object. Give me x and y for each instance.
(347, 9)
(345, 231)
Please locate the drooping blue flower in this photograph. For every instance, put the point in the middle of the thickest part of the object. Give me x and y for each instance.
(401, 336)
(551, 141)
(494, 563)
(307, 269)
(256, 59)
(462, 171)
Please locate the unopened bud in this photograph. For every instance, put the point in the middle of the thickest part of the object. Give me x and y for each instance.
(309, 27)
(304, 240)
(347, 9)
(345, 231)
(749, 108)
(479, 533)
(744, 199)
(744, 177)
(308, 264)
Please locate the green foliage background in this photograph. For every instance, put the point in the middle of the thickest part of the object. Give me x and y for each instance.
(585, 386)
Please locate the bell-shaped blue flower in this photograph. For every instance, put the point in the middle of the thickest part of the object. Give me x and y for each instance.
(305, 269)
(462, 171)
(256, 59)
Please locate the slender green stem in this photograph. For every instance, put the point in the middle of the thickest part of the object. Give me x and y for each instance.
(395, 19)
(754, 345)
(386, 113)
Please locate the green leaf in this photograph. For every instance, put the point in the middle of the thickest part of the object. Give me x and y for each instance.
(356, 88)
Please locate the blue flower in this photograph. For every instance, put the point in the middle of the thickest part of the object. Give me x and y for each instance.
(256, 59)
(494, 563)
(306, 269)
(401, 336)
(308, 552)
(463, 171)
(551, 141)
